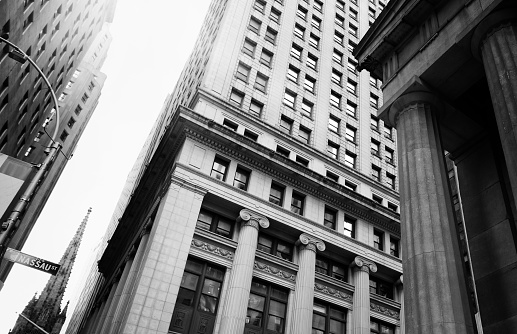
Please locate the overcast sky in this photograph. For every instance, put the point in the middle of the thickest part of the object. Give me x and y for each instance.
(152, 40)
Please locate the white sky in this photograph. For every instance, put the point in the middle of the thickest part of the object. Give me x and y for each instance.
(152, 40)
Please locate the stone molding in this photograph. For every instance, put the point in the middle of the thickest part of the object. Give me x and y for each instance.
(226, 254)
(311, 243)
(251, 218)
(364, 264)
(405, 104)
(274, 271)
(384, 310)
(488, 26)
(333, 292)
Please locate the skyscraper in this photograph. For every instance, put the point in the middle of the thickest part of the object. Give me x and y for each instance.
(265, 199)
(45, 310)
(68, 40)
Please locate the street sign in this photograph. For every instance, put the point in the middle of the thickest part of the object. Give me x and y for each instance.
(31, 261)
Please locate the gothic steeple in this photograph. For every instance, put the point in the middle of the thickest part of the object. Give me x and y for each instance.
(46, 309)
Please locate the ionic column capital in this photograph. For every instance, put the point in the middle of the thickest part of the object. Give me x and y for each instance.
(311, 243)
(364, 265)
(490, 24)
(251, 218)
(404, 103)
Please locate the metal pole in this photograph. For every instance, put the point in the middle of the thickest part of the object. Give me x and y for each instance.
(38, 327)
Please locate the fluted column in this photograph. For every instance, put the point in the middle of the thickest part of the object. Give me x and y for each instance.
(304, 290)
(97, 320)
(435, 294)
(107, 305)
(496, 39)
(234, 311)
(127, 291)
(400, 299)
(361, 307)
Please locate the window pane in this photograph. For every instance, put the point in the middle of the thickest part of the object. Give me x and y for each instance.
(318, 322)
(256, 302)
(204, 220)
(254, 318)
(277, 308)
(275, 324)
(215, 273)
(224, 228)
(185, 297)
(258, 287)
(279, 294)
(207, 304)
(189, 281)
(336, 327)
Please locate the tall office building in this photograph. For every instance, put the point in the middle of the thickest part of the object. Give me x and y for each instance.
(69, 41)
(265, 200)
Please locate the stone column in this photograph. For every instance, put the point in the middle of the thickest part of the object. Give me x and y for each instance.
(435, 295)
(95, 327)
(303, 300)
(361, 306)
(107, 306)
(234, 311)
(496, 39)
(130, 282)
(400, 299)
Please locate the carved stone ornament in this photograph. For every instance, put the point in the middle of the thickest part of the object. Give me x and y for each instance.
(364, 264)
(212, 249)
(311, 243)
(384, 310)
(274, 271)
(251, 218)
(333, 292)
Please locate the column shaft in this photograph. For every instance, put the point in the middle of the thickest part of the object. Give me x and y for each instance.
(435, 297)
(106, 308)
(106, 327)
(304, 291)
(97, 321)
(361, 311)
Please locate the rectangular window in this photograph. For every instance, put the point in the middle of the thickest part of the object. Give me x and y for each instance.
(243, 72)
(296, 52)
(230, 125)
(299, 31)
(254, 25)
(394, 246)
(256, 108)
(318, 5)
(309, 84)
(314, 41)
(327, 318)
(333, 149)
(388, 131)
(380, 327)
(331, 268)
(374, 101)
(338, 38)
(375, 147)
(275, 15)
(334, 124)
(219, 169)
(340, 4)
(350, 159)
(312, 62)
(374, 123)
(307, 108)
(390, 180)
(352, 30)
(335, 99)
(260, 6)
(351, 87)
(276, 194)
(352, 66)
(301, 13)
(266, 57)
(286, 123)
(241, 179)
(351, 109)
(388, 154)
(302, 161)
(289, 99)
(249, 47)
(267, 308)
(293, 73)
(339, 20)
(350, 186)
(350, 134)
(393, 207)
(271, 35)
(377, 199)
(261, 82)
(213, 222)
(297, 203)
(376, 173)
(316, 22)
(378, 240)
(236, 97)
(336, 77)
(274, 246)
(332, 176)
(304, 134)
(283, 151)
(337, 57)
(28, 21)
(353, 14)
(349, 227)
(330, 218)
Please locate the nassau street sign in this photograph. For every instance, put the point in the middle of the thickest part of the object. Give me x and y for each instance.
(31, 261)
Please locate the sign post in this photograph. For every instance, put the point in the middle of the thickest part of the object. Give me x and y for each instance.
(31, 261)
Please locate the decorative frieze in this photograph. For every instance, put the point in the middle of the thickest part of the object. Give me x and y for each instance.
(384, 310)
(274, 271)
(333, 292)
(221, 252)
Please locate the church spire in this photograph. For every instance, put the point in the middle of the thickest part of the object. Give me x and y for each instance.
(46, 310)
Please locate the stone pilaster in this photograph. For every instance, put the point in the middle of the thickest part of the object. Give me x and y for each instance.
(304, 290)
(233, 316)
(496, 39)
(400, 298)
(129, 284)
(361, 307)
(435, 295)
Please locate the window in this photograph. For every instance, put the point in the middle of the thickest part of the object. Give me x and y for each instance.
(352, 66)
(338, 38)
(352, 30)
(388, 154)
(350, 134)
(377, 199)
(289, 99)
(267, 308)
(241, 179)
(304, 134)
(286, 123)
(292, 73)
(328, 319)
(309, 84)
(249, 47)
(350, 186)
(243, 72)
(302, 161)
(84, 98)
(274, 246)
(374, 123)
(314, 41)
(230, 125)
(336, 77)
(219, 169)
(266, 57)
(390, 180)
(350, 159)
(333, 149)
(312, 62)
(78, 110)
(256, 108)
(376, 173)
(334, 124)
(335, 99)
(301, 13)
(71, 122)
(394, 246)
(351, 46)
(378, 240)
(351, 109)
(299, 31)
(213, 222)
(271, 35)
(62, 97)
(330, 268)
(198, 295)
(332, 176)
(381, 328)
(283, 151)
(260, 6)
(297, 203)
(296, 52)
(318, 5)
(393, 207)
(337, 56)
(275, 15)
(349, 227)
(276, 194)
(307, 108)
(351, 87)
(374, 101)
(373, 82)
(339, 20)
(388, 131)
(340, 4)
(316, 22)
(236, 97)
(28, 21)
(374, 147)
(371, 12)
(261, 82)
(381, 288)
(63, 136)
(353, 14)
(330, 217)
